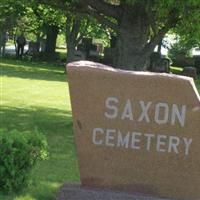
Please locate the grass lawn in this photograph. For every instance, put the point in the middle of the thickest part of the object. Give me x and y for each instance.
(176, 70)
(36, 96)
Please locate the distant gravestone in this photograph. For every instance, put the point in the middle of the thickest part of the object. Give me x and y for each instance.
(136, 131)
(33, 48)
(108, 56)
(190, 71)
(89, 50)
(197, 63)
(79, 55)
(159, 64)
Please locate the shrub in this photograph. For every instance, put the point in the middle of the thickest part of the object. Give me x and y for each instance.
(19, 152)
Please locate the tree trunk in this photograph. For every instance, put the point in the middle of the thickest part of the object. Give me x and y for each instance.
(136, 23)
(136, 38)
(131, 41)
(72, 38)
(50, 46)
(159, 47)
(2, 42)
(128, 53)
(70, 51)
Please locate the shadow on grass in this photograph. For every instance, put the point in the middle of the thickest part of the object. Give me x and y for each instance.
(32, 70)
(61, 166)
(45, 119)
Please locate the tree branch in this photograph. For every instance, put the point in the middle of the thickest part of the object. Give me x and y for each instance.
(171, 22)
(103, 7)
(155, 40)
(104, 20)
(152, 21)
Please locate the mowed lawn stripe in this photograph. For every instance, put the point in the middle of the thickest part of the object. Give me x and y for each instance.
(36, 96)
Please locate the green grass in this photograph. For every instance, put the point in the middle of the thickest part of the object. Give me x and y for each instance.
(62, 53)
(176, 70)
(9, 43)
(36, 96)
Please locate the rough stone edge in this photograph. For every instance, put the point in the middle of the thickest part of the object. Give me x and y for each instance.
(94, 65)
(88, 65)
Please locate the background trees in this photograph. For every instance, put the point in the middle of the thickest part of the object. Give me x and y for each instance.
(188, 34)
(10, 12)
(138, 25)
(79, 27)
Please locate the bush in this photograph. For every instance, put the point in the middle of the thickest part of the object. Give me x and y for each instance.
(19, 152)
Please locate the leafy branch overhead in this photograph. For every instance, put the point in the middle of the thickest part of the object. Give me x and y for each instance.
(142, 23)
(136, 26)
(158, 16)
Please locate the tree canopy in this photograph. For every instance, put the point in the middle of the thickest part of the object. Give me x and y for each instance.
(139, 25)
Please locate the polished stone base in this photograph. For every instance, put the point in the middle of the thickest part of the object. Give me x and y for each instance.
(76, 192)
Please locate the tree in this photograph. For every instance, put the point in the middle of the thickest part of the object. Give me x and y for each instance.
(10, 12)
(187, 36)
(79, 27)
(48, 22)
(188, 32)
(140, 24)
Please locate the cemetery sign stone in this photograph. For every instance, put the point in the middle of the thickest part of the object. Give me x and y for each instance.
(136, 131)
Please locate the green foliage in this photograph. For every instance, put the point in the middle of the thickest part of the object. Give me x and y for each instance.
(10, 12)
(29, 17)
(50, 15)
(38, 17)
(176, 70)
(40, 98)
(19, 152)
(60, 40)
(185, 20)
(91, 28)
(179, 48)
(188, 26)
